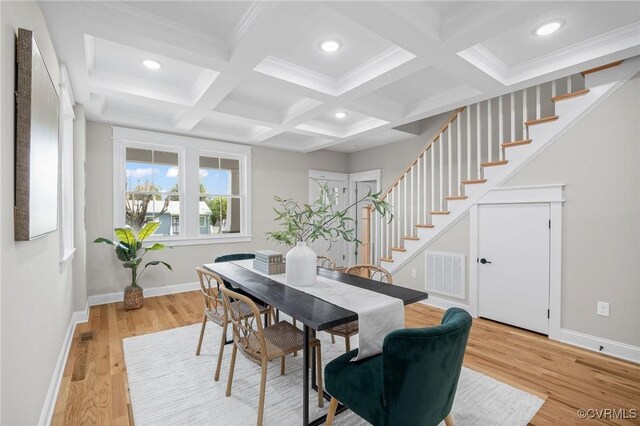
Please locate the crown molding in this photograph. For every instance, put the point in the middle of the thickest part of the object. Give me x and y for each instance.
(450, 97)
(363, 125)
(380, 64)
(429, 22)
(248, 20)
(592, 48)
(288, 71)
(173, 32)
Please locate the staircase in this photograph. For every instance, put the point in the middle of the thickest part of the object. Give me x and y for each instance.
(477, 149)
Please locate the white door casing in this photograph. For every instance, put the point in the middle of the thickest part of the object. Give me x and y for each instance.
(513, 240)
(338, 182)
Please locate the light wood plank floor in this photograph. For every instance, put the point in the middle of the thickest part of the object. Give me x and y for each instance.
(94, 386)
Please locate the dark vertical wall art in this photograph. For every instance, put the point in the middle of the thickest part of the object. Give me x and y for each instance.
(36, 154)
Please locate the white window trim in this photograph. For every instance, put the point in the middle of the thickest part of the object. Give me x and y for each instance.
(189, 151)
(65, 193)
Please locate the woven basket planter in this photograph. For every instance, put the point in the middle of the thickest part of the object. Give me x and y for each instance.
(133, 298)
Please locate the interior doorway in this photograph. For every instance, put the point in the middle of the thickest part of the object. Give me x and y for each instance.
(349, 187)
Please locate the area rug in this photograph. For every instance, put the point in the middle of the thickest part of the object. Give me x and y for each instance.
(170, 385)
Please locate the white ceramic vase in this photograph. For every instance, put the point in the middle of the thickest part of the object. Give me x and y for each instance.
(301, 265)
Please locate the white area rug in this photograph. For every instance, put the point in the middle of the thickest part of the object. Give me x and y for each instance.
(170, 385)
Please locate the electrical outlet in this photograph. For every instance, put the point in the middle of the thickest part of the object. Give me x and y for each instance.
(414, 273)
(603, 309)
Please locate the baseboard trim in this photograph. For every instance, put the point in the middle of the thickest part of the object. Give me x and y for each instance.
(593, 343)
(54, 387)
(102, 299)
(444, 304)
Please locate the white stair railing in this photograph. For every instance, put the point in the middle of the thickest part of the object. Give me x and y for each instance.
(472, 138)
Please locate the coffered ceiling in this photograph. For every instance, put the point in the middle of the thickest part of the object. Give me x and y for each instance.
(254, 72)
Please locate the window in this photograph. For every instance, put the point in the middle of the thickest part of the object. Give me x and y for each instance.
(152, 190)
(197, 189)
(220, 192)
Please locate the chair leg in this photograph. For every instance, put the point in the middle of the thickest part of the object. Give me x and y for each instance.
(282, 366)
(319, 376)
(223, 341)
(347, 343)
(263, 382)
(333, 406)
(448, 421)
(231, 368)
(204, 324)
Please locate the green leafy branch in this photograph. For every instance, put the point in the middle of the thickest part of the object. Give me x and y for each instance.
(320, 219)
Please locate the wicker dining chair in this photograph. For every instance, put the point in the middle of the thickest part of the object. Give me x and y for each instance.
(263, 344)
(372, 272)
(214, 310)
(326, 262)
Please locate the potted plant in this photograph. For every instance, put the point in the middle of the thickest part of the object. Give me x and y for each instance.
(129, 250)
(303, 223)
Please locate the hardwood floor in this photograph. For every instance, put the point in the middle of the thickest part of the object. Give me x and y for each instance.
(94, 386)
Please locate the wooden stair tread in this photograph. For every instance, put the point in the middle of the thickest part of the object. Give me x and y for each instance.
(424, 225)
(456, 197)
(398, 249)
(473, 181)
(570, 95)
(601, 67)
(440, 212)
(541, 120)
(494, 163)
(516, 143)
(412, 238)
(386, 259)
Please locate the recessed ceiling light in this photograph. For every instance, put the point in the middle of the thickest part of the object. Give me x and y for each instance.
(548, 28)
(151, 64)
(340, 115)
(330, 45)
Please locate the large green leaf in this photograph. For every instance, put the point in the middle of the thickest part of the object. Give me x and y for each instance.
(148, 230)
(157, 246)
(126, 235)
(124, 254)
(158, 262)
(110, 242)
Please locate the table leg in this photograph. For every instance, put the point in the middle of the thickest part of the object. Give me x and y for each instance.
(305, 377)
(313, 362)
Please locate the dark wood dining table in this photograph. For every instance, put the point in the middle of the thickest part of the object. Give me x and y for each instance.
(314, 313)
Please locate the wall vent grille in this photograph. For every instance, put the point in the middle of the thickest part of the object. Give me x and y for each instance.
(445, 274)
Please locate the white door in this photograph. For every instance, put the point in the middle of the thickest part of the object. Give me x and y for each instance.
(513, 264)
(336, 250)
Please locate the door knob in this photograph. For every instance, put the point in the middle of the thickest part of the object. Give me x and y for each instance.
(483, 261)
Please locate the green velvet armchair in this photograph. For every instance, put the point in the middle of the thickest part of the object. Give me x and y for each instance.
(413, 382)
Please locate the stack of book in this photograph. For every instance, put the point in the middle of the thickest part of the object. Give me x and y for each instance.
(269, 262)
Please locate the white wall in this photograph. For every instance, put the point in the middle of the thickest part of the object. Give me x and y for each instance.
(273, 172)
(394, 157)
(37, 294)
(599, 162)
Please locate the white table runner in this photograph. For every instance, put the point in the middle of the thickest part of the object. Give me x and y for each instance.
(378, 314)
